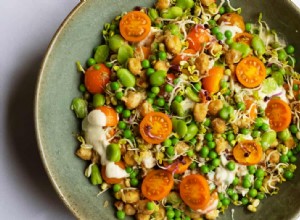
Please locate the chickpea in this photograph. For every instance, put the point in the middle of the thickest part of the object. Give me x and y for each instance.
(134, 99)
(84, 153)
(207, 2)
(160, 214)
(275, 155)
(219, 125)
(215, 48)
(173, 44)
(131, 196)
(214, 107)
(142, 207)
(129, 210)
(181, 147)
(233, 56)
(162, 65)
(200, 112)
(202, 63)
(129, 158)
(221, 144)
(290, 143)
(145, 108)
(162, 4)
(134, 66)
(142, 80)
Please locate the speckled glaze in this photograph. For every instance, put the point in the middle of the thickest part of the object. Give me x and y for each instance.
(58, 85)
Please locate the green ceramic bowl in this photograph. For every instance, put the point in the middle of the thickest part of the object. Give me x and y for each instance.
(58, 85)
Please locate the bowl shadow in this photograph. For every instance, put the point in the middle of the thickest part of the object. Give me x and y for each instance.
(21, 135)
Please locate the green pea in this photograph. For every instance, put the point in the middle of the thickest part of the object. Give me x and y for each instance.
(168, 88)
(115, 42)
(98, 100)
(150, 205)
(207, 122)
(244, 201)
(170, 214)
(264, 127)
(220, 36)
(175, 141)
(245, 131)
(251, 169)
(216, 162)
(172, 12)
(167, 142)
(158, 78)
(101, 53)
(96, 178)
(153, 14)
(288, 174)
(246, 183)
(258, 45)
(119, 95)
(248, 27)
(126, 113)
(79, 106)
(124, 53)
(121, 215)
(229, 41)
(204, 151)
(255, 133)
(181, 128)
(224, 113)
(160, 102)
(258, 122)
(295, 87)
(235, 197)
(145, 64)
(209, 136)
(191, 94)
(252, 193)
(113, 152)
(114, 86)
(260, 196)
(116, 187)
(225, 201)
(134, 182)
(173, 28)
(91, 62)
(185, 4)
(222, 10)
(284, 135)
(282, 55)
(293, 159)
(268, 138)
(241, 47)
(230, 165)
(204, 169)
(235, 181)
(215, 30)
(155, 89)
(82, 88)
(212, 154)
(211, 144)
(127, 133)
(177, 108)
(151, 95)
(290, 49)
(192, 130)
(284, 158)
(126, 78)
(190, 153)
(122, 125)
(150, 71)
(258, 184)
(230, 137)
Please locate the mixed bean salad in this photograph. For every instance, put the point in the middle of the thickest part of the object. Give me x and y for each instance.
(186, 108)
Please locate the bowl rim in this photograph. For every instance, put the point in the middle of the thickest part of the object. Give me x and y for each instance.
(37, 104)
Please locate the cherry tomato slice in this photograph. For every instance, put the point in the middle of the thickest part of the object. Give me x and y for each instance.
(184, 56)
(279, 114)
(111, 115)
(248, 152)
(244, 37)
(157, 184)
(197, 38)
(233, 19)
(155, 127)
(211, 83)
(135, 26)
(250, 72)
(194, 191)
(251, 108)
(95, 79)
(112, 180)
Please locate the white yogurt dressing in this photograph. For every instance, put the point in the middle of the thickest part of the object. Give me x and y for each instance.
(279, 90)
(95, 135)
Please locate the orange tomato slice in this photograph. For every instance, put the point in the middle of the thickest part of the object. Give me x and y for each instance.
(182, 57)
(279, 114)
(142, 52)
(211, 83)
(250, 72)
(121, 164)
(111, 115)
(135, 26)
(244, 37)
(197, 38)
(248, 152)
(157, 184)
(233, 19)
(155, 127)
(179, 166)
(95, 80)
(194, 191)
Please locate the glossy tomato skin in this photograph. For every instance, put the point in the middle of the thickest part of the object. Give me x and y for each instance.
(197, 38)
(96, 78)
(135, 26)
(233, 19)
(248, 152)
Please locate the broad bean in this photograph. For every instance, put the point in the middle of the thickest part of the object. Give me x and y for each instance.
(258, 45)
(96, 178)
(185, 4)
(177, 108)
(267, 139)
(98, 100)
(172, 13)
(101, 54)
(158, 78)
(181, 128)
(191, 133)
(153, 14)
(192, 95)
(79, 106)
(113, 152)
(115, 42)
(126, 77)
(241, 47)
(124, 53)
